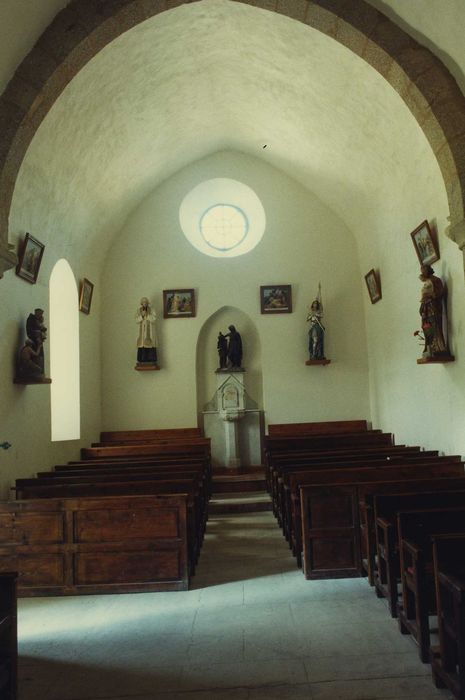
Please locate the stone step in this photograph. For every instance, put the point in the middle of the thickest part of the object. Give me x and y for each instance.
(253, 501)
(238, 483)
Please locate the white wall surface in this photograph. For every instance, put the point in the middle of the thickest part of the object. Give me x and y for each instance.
(304, 243)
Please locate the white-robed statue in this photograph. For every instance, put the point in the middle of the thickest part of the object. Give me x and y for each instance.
(147, 340)
(316, 332)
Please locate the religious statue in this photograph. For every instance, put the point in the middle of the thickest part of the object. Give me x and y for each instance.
(230, 349)
(147, 339)
(222, 346)
(432, 314)
(36, 332)
(31, 364)
(316, 332)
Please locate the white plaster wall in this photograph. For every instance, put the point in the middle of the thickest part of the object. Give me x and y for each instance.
(421, 404)
(25, 410)
(304, 243)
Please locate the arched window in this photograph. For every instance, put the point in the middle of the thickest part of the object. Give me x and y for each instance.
(64, 353)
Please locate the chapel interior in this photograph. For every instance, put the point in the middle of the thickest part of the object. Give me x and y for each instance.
(342, 127)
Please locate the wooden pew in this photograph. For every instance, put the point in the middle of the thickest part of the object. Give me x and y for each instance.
(326, 442)
(294, 482)
(289, 462)
(386, 507)
(142, 435)
(321, 428)
(448, 662)
(282, 496)
(329, 536)
(416, 565)
(125, 485)
(199, 446)
(367, 516)
(8, 636)
(96, 545)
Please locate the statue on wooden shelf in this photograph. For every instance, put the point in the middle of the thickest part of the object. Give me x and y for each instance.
(316, 332)
(222, 346)
(234, 348)
(29, 365)
(432, 314)
(36, 332)
(147, 339)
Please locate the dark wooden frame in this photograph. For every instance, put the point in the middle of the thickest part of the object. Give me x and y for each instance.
(178, 314)
(433, 257)
(375, 294)
(284, 288)
(84, 303)
(23, 268)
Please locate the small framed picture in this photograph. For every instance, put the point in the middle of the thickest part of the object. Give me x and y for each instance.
(373, 286)
(178, 303)
(276, 299)
(425, 244)
(85, 297)
(30, 259)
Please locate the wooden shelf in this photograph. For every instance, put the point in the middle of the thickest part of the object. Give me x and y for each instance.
(146, 368)
(435, 360)
(324, 361)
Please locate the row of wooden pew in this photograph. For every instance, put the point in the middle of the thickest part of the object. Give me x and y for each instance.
(129, 516)
(351, 503)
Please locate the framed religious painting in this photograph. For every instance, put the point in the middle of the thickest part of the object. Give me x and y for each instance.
(425, 244)
(276, 299)
(30, 258)
(178, 303)
(374, 286)
(85, 297)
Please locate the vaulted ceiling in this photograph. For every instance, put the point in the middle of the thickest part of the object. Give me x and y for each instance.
(219, 75)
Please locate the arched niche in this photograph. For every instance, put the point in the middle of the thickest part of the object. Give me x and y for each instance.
(85, 27)
(207, 356)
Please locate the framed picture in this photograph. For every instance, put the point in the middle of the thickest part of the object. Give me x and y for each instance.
(85, 297)
(178, 303)
(30, 259)
(425, 244)
(373, 286)
(276, 299)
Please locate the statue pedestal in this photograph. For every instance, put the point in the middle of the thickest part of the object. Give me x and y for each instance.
(234, 429)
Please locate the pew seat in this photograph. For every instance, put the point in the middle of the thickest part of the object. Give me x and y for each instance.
(448, 661)
(416, 564)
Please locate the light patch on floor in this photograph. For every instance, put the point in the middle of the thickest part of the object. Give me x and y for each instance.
(250, 628)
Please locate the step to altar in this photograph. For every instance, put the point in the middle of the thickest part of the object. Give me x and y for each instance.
(250, 502)
(237, 482)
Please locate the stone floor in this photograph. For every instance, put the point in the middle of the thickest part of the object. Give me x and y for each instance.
(251, 628)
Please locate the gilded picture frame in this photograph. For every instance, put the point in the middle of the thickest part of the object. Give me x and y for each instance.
(276, 299)
(178, 303)
(374, 286)
(425, 244)
(85, 296)
(30, 258)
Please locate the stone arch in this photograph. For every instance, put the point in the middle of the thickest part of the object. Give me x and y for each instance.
(207, 358)
(85, 27)
(251, 426)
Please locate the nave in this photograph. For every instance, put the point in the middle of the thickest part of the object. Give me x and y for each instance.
(250, 628)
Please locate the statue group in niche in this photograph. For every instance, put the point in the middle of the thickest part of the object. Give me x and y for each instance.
(432, 314)
(31, 363)
(147, 339)
(229, 348)
(316, 332)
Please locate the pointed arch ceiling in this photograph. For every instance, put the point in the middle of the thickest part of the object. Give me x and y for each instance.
(115, 97)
